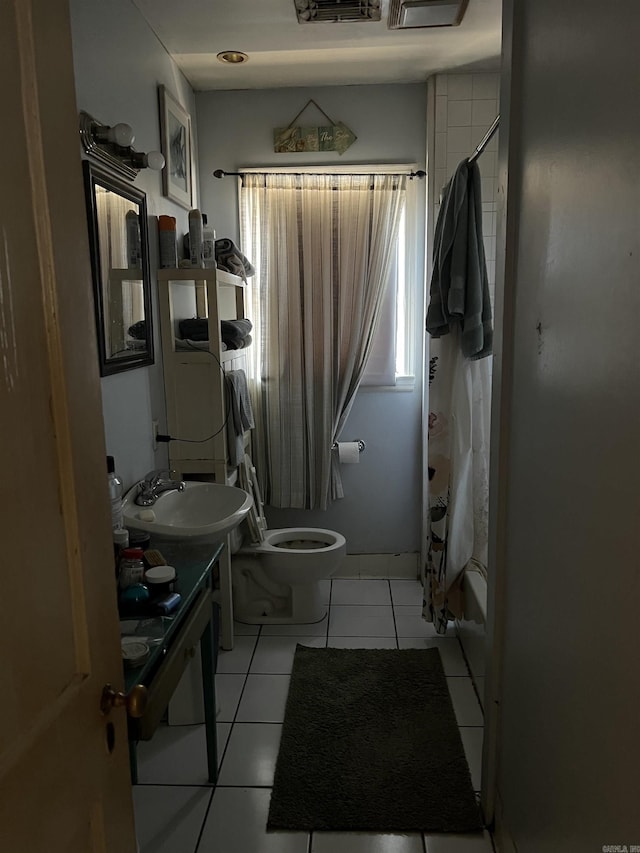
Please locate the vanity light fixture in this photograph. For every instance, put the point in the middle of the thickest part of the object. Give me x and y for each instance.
(111, 146)
(232, 57)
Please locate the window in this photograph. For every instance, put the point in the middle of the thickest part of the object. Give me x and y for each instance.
(392, 360)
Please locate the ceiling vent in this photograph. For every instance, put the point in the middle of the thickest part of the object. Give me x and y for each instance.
(336, 11)
(404, 14)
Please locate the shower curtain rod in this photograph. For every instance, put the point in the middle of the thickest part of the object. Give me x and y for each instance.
(220, 173)
(485, 139)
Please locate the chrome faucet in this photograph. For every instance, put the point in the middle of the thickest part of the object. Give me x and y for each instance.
(154, 483)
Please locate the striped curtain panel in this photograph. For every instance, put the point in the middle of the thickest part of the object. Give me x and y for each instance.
(322, 246)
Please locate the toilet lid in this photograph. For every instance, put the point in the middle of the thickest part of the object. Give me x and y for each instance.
(249, 482)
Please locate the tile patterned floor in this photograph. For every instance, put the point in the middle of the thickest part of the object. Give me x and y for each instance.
(178, 812)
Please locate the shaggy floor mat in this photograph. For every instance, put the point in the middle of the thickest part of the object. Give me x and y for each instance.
(370, 743)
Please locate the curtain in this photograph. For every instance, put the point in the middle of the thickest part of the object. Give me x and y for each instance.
(459, 321)
(458, 459)
(322, 246)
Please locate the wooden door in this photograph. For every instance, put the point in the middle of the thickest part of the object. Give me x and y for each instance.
(64, 783)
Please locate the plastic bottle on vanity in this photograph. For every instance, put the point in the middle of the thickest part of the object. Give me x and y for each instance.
(208, 244)
(195, 237)
(167, 240)
(115, 494)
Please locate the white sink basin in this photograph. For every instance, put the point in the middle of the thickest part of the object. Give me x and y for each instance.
(203, 512)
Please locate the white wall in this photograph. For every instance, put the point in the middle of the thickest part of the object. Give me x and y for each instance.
(119, 64)
(567, 505)
(381, 509)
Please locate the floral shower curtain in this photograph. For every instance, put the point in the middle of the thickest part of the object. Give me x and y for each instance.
(322, 246)
(459, 321)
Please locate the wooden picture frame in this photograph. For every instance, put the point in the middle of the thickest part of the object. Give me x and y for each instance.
(176, 144)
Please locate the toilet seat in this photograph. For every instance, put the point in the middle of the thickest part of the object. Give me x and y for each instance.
(292, 540)
(298, 540)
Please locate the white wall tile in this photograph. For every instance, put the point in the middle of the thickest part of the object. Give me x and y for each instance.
(459, 140)
(441, 112)
(442, 82)
(484, 112)
(486, 86)
(459, 113)
(441, 151)
(488, 189)
(459, 86)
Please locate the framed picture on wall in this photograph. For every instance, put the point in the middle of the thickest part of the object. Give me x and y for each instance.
(175, 140)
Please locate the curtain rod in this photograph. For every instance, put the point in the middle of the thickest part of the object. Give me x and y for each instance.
(485, 139)
(220, 173)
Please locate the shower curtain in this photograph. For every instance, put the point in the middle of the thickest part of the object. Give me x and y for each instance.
(459, 321)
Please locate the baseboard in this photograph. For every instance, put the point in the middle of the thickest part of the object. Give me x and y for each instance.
(403, 566)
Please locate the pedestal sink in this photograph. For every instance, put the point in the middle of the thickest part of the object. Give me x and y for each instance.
(203, 512)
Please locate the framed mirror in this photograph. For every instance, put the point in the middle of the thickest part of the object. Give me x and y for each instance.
(119, 243)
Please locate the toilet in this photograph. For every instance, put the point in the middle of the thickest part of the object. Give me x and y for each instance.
(276, 574)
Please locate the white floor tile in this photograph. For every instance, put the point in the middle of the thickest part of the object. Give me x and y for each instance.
(241, 629)
(238, 659)
(409, 623)
(275, 654)
(362, 643)
(465, 702)
(168, 819)
(177, 755)
(360, 592)
(473, 842)
(407, 592)
(365, 842)
(224, 730)
(264, 699)
(250, 759)
(228, 690)
(325, 591)
(308, 629)
(472, 742)
(361, 621)
(453, 660)
(237, 822)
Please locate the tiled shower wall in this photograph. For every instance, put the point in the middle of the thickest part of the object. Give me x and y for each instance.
(465, 107)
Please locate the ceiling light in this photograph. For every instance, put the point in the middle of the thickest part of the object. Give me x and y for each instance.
(232, 57)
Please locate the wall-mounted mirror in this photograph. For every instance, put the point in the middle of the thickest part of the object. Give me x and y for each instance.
(118, 238)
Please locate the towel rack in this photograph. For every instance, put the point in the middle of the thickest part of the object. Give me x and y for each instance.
(485, 139)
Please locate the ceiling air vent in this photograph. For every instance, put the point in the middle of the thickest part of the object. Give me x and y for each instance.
(336, 11)
(404, 14)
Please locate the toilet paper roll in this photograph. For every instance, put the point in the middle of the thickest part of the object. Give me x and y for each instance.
(348, 452)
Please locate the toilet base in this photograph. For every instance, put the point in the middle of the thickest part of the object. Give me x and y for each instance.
(302, 605)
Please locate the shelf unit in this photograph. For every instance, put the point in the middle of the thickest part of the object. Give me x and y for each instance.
(194, 388)
(194, 382)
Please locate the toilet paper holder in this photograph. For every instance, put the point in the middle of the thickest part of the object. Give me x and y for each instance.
(359, 442)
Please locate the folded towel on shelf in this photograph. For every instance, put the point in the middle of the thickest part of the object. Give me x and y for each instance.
(230, 258)
(240, 416)
(195, 329)
(234, 332)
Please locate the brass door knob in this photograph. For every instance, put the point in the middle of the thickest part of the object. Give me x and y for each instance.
(135, 701)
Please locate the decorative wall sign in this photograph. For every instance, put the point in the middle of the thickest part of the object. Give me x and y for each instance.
(334, 136)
